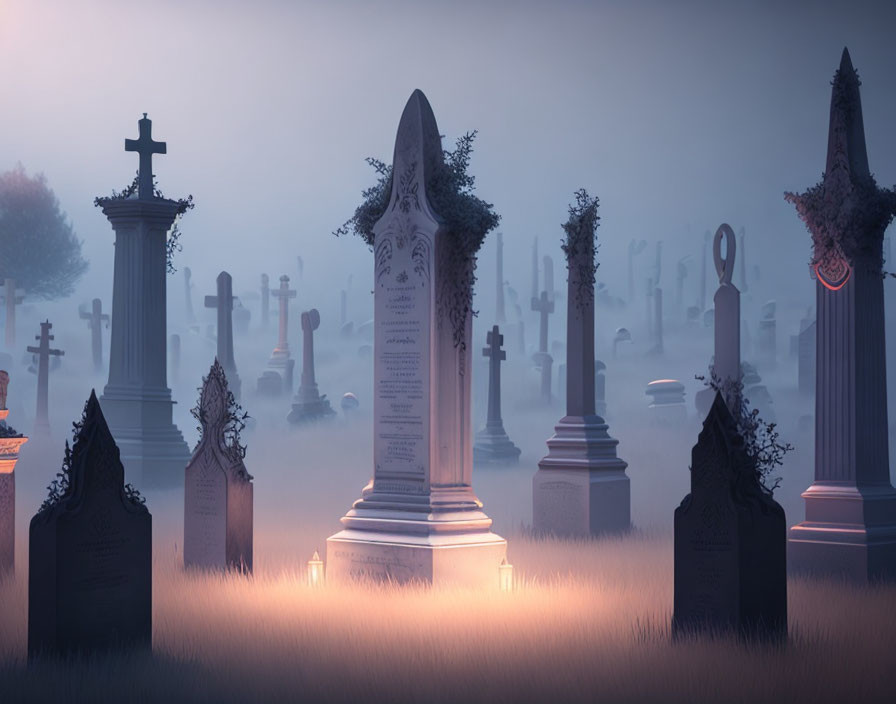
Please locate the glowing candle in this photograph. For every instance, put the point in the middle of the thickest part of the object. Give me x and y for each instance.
(505, 576)
(315, 571)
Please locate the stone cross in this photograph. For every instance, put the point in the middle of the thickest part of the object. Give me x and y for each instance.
(726, 303)
(12, 298)
(90, 557)
(223, 302)
(43, 350)
(145, 148)
(265, 300)
(850, 526)
(492, 443)
(548, 264)
(283, 294)
(188, 292)
(499, 280)
(95, 320)
(422, 449)
(543, 305)
(218, 491)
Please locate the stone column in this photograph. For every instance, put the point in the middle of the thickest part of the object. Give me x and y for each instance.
(10, 444)
(136, 399)
(420, 519)
(850, 526)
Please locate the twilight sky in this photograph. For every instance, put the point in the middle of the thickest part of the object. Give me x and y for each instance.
(678, 115)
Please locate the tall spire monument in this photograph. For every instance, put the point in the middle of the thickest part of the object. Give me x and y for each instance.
(850, 526)
(137, 400)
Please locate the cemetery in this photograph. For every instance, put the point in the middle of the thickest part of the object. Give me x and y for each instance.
(392, 401)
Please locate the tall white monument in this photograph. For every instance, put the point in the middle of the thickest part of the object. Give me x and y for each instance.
(137, 401)
(419, 518)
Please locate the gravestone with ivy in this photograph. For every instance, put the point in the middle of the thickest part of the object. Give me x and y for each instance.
(136, 398)
(218, 489)
(730, 539)
(419, 519)
(90, 553)
(850, 524)
(580, 487)
(95, 319)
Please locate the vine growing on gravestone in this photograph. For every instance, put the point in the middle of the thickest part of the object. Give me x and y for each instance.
(172, 242)
(581, 239)
(234, 419)
(467, 219)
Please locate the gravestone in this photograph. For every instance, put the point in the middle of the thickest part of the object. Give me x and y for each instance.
(548, 265)
(309, 404)
(12, 297)
(224, 302)
(95, 319)
(492, 444)
(768, 337)
(90, 554)
(500, 317)
(850, 525)
(43, 352)
(621, 335)
(349, 405)
(218, 490)
(11, 442)
(581, 487)
(265, 301)
(730, 541)
(188, 294)
(280, 361)
(174, 351)
(419, 519)
(136, 398)
(667, 406)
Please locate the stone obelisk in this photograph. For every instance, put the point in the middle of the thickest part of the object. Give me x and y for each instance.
(850, 526)
(137, 400)
(419, 519)
(581, 487)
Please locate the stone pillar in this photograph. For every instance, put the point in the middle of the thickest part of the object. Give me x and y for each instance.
(265, 301)
(309, 404)
(136, 398)
(10, 444)
(850, 525)
(581, 487)
(419, 519)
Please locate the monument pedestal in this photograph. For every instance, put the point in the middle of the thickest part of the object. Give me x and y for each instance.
(581, 487)
(493, 446)
(848, 532)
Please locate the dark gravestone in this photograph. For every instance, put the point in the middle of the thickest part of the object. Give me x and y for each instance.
(218, 489)
(730, 540)
(90, 553)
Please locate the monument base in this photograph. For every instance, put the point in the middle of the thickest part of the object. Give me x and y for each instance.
(308, 411)
(849, 532)
(153, 450)
(494, 447)
(581, 487)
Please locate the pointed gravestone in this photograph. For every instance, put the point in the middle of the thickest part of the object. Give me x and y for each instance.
(224, 302)
(218, 490)
(12, 297)
(280, 362)
(95, 319)
(43, 352)
(492, 444)
(581, 487)
(90, 553)
(309, 404)
(265, 301)
(850, 526)
(10, 444)
(730, 540)
(419, 519)
(136, 398)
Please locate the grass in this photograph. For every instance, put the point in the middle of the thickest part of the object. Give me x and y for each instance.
(588, 621)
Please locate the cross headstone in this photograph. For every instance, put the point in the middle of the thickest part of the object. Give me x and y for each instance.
(188, 294)
(12, 297)
(581, 487)
(544, 306)
(850, 526)
(492, 445)
(145, 147)
(280, 361)
(224, 302)
(95, 319)
(218, 490)
(422, 445)
(730, 549)
(309, 404)
(137, 399)
(499, 280)
(265, 301)
(11, 442)
(43, 352)
(90, 555)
